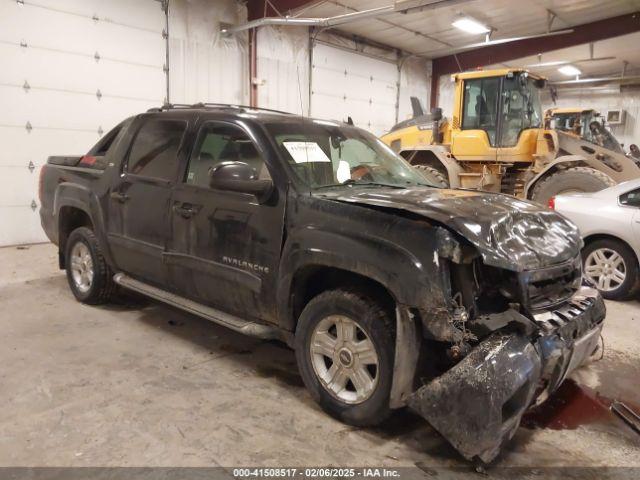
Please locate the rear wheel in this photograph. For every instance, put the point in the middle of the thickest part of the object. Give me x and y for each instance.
(345, 349)
(570, 180)
(612, 267)
(88, 274)
(433, 175)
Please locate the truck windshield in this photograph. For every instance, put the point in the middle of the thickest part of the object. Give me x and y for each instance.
(327, 154)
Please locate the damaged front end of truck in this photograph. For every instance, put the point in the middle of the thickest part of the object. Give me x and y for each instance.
(516, 322)
(514, 337)
(478, 403)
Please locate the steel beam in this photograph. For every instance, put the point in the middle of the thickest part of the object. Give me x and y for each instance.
(582, 34)
(256, 8)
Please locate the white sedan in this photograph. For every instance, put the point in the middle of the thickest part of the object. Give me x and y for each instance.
(609, 221)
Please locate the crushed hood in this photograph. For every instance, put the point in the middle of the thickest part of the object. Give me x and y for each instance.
(508, 232)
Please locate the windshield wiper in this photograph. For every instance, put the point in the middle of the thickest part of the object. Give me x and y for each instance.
(355, 182)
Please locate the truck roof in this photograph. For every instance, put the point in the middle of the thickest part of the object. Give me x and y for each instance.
(245, 111)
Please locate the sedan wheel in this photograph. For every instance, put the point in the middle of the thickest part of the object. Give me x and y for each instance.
(606, 269)
(612, 267)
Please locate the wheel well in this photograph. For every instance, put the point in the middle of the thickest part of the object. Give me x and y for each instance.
(313, 280)
(424, 157)
(553, 169)
(603, 236)
(69, 218)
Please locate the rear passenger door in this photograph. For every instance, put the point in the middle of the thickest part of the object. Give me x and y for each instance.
(139, 200)
(225, 246)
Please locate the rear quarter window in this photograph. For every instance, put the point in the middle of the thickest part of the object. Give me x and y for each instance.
(103, 146)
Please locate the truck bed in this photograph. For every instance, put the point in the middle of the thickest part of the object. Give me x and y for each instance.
(63, 173)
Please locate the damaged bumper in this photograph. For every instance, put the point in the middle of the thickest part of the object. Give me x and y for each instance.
(477, 405)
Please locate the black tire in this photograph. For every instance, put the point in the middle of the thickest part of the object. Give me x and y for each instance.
(630, 283)
(433, 175)
(378, 325)
(102, 287)
(574, 179)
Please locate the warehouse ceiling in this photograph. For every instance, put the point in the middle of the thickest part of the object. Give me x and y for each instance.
(431, 34)
(604, 58)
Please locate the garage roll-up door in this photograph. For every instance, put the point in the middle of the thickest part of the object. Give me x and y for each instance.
(346, 84)
(71, 70)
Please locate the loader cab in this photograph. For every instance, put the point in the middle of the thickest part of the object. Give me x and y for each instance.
(497, 116)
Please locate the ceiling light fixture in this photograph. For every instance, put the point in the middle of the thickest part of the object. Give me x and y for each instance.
(569, 71)
(470, 25)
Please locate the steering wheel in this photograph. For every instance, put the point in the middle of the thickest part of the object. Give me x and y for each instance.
(360, 172)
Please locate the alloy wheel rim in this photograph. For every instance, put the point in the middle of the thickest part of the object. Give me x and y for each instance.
(81, 267)
(344, 359)
(606, 269)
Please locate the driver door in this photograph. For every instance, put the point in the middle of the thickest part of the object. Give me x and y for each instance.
(519, 122)
(476, 139)
(225, 247)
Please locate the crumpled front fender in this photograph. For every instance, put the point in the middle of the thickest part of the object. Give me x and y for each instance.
(478, 404)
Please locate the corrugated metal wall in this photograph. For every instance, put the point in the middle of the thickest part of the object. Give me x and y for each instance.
(283, 69)
(206, 66)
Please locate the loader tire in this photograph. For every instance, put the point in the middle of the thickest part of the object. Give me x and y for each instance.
(433, 176)
(571, 180)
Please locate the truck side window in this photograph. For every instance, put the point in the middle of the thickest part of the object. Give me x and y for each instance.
(155, 149)
(219, 143)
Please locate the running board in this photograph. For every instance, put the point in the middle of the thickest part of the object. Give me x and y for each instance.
(230, 321)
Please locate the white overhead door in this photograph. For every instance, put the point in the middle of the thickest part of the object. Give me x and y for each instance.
(71, 70)
(346, 84)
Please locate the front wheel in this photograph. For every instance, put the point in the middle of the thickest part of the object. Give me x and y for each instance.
(612, 267)
(345, 351)
(88, 274)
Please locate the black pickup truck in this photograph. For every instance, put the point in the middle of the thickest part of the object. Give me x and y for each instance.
(467, 307)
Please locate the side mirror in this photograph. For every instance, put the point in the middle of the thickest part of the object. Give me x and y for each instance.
(240, 177)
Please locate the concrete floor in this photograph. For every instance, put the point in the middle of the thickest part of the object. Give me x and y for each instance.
(147, 385)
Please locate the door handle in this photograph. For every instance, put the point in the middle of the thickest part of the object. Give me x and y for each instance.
(119, 196)
(186, 210)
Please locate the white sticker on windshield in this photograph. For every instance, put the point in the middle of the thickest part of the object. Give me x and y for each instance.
(304, 152)
(344, 172)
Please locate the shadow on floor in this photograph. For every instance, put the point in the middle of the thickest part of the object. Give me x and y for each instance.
(275, 360)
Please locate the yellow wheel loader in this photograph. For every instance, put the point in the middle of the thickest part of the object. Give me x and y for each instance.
(583, 124)
(497, 141)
